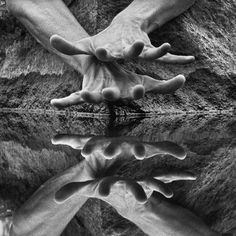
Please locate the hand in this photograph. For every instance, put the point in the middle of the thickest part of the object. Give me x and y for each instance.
(122, 193)
(96, 149)
(123, 39)
(115, 147)
(110, 82)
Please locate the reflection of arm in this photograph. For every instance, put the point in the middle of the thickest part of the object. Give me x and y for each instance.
(43, 18)
(160, 217)
(41, 215)
(154, 13)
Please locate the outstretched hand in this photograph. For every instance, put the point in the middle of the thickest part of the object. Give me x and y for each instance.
(110, 82)
(105, 155)
(115, 147)
(122, 39)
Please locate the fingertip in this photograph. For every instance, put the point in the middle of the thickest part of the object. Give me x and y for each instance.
(166, 47)
(137, 48)
(111, 94)
(111, 152)
(169, 194)
(138, 92)
(139, 151)
(91, 97)
(54, 38)
(180, 80)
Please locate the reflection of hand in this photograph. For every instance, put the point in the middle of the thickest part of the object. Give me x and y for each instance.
(110, 82)
(123, 39)
(104, 155)
(122, 193)
(112, 147)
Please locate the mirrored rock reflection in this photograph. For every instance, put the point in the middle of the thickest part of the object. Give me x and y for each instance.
(143, 201)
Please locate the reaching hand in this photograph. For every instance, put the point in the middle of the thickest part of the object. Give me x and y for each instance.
(110, 82)
(115, 147)
(122, 193)
(98, 151)
(121, 40)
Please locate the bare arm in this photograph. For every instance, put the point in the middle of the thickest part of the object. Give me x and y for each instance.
(41, 215)
(152, 14)
(43, 18)
(126, 36)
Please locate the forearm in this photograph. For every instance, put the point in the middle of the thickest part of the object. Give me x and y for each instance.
(159, 217)
(151, 14)
(43, 18)
(41, 214)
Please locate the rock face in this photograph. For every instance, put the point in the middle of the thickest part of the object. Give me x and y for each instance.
(30, 76)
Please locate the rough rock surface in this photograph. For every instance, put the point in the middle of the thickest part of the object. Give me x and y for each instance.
(30, 76)
(28, 159)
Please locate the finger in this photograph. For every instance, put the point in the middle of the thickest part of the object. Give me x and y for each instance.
(68, 190)
(139, 151)
(73, 99)
(175, 176)
(172, 149)
(163, 87)
(73, 141)
(68, 48)
(104, 55)
(105, 185)
(137, 92)
(134, 50)
(88, 149)
(158, 186)
(112, 150)
(137, 191)
(175, 59)
(134, 188)
(154, 53)
(91, 97)
(111, 94)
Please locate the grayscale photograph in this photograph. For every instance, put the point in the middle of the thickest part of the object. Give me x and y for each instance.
(117, 117)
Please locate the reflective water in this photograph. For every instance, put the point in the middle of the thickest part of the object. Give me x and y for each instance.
(166, 175)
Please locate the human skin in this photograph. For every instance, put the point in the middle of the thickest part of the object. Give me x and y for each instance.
(156, 216)
(54, 204)
(127, 35)
(102, 81)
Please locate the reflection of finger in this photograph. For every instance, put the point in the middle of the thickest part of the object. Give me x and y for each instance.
(158, 186)
(137, 92)
(134, 188)
(134, 50)
(73, 99)
(91, 97)
(73, 141)
(175, 59)
(111, 94)
(88, 149)
(68, 190)
(172, 149)
(175, 176)
(164, 87)
(139, 151)
(104, 55)
(112, 150)
(105, 186)
(66, 47)
(137, 191)
(154, 53)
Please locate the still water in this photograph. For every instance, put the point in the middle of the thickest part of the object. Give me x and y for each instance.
(166, 175)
